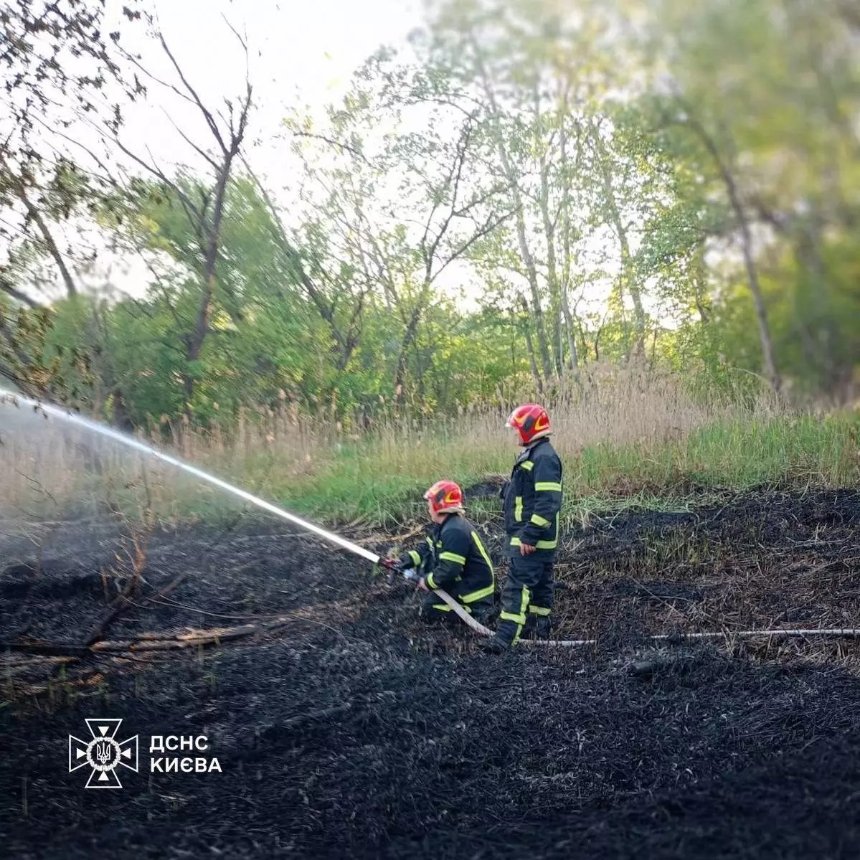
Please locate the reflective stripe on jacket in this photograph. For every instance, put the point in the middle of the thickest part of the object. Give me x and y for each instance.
(532, 498)
(454, 553)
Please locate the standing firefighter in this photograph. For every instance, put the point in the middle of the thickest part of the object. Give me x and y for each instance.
(452, 558)
(532, 505)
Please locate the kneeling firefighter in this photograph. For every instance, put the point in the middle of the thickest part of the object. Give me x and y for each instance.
(532, 506)
(452, 557)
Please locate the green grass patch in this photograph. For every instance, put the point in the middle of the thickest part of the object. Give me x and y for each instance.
(793, 452)
(372, 481)
(380, 479)
(382, 482)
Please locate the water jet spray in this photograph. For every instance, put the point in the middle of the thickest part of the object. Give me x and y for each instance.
(48, 410)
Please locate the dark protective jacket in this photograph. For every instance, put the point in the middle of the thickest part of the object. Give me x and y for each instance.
(532, 498)
(453, 557)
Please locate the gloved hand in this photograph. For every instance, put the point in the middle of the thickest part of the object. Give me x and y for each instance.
(504, 488)
(392, 564)
(405, 560)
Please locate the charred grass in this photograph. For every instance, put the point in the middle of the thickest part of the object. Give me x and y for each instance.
(351, 730)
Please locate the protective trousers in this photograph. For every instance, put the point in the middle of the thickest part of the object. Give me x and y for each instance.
(527, 593)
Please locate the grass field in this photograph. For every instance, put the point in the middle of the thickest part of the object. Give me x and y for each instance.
(629, 442)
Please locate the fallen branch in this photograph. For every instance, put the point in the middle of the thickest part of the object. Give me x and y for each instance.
(122, 602)
(191, 639)
(148, 641)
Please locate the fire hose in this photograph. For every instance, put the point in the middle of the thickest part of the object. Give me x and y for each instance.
(467, 619)
(49, 411)
(843, 632)
(457, 608)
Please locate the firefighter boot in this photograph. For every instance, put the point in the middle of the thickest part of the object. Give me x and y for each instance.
(494, 645)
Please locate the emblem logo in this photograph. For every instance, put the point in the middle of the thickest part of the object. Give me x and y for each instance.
(103, 753)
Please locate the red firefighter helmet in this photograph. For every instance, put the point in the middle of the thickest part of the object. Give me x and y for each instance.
(530, 421)
(445, 497)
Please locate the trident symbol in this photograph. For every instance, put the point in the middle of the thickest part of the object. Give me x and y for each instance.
(103, 752)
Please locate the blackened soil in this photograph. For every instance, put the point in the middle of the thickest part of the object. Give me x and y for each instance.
(354, 732)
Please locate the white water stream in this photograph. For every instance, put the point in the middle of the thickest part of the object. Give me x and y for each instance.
(11, 400)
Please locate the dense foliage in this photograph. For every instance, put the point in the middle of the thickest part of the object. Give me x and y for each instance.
(527, 191)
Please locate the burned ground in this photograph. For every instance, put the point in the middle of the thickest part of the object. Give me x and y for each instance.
(344, 728)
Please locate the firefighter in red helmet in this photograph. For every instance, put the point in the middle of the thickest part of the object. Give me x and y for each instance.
(532, 506)
(452, 558)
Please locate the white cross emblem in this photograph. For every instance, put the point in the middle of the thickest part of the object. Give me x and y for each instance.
(103, 753)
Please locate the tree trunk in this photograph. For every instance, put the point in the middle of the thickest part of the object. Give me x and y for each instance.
(535, 311)
(551, 264)
(760, 308)
(628, 276)
(210, 264)
(765, 338)
(20, 191)
(408, 338)
(16, 294)
(512, 177)
(700, 287)
(530, 347)
(569, 321)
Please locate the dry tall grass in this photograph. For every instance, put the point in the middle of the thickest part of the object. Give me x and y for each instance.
(50, 471)
(634, 406)
(627, 420)
(50, 468)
